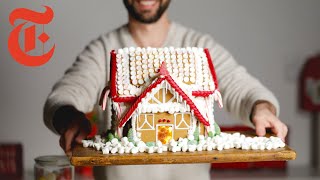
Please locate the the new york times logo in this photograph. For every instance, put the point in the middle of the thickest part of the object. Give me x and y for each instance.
(29, 41)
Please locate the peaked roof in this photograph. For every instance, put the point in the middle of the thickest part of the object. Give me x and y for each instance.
(132, 69)
(164, 76)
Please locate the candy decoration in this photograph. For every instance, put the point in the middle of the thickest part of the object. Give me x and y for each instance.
(104, 96)
(165, 76)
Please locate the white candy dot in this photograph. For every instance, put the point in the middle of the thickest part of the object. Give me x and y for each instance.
(121, 150)
(114, 150)
(127, 150)
(150, 150)
(105, 150)
(134, 82)
(164, 148)
(131, 49)
(126, 92)
(134, 150)
(144, 56)
(140, 81)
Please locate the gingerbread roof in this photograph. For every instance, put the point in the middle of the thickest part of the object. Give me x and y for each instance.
(134, 69)
(164, 75)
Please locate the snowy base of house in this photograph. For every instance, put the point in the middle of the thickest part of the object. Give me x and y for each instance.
(190, 144)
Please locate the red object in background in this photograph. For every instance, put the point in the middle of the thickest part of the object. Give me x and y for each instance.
(310, 101)
(92, 117)
(84, 171)
(248, 165)
(310, 85)
(94, 130)
(11, 161)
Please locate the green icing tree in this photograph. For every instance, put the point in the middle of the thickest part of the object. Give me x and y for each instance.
(110, 136)
(193, 142)
(130, 135)
(196, 134)
(150, 144)
(116, 136)
(210, 134)
(217, 129)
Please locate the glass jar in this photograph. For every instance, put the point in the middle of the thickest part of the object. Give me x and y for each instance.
(53, 168)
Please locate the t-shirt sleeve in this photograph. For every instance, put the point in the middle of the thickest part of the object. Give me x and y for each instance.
(239, 89)
(81, 84)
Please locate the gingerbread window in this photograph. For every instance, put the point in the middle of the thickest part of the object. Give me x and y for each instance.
(182, 120)
(162, 96)
(145, 122)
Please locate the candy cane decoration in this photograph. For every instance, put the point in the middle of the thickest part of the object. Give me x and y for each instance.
(104, 97)
(217, 97)
(119, 111)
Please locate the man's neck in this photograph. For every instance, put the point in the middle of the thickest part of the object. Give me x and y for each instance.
(153, 35)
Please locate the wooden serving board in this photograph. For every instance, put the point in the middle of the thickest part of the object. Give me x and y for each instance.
(90, 157)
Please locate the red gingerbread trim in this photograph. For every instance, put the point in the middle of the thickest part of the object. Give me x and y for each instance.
(113, 64)
(202, 93)
(135, 105)
(124, 99)
(177, 89)
(188, 101)
(113, 81)
(211, 66)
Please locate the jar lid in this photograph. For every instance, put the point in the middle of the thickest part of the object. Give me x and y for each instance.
(52, 160)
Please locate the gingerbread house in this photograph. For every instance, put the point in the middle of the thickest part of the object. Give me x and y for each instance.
(162, 93)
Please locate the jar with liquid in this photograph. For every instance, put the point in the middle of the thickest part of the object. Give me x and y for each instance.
(53, 168)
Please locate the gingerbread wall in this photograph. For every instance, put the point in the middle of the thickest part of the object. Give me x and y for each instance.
(158, 125)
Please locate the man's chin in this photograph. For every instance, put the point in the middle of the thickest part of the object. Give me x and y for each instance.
(146, 16)
(148, 21)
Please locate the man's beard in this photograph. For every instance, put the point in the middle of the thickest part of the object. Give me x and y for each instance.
(146, 20)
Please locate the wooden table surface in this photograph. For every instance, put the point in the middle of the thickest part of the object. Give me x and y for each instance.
(90, 157)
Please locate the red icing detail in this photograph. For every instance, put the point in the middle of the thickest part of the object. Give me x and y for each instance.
(163, 120)
(124, 99)
(163, 69)
(159, 120)
(177, 89)
(188, 101)
(135, 105)
(113, 64)
(202, 93)
(212, 70)
(168, 120)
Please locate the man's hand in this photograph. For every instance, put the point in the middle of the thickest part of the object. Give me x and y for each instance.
(264, 116)
(72, 127)
(76, 131)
